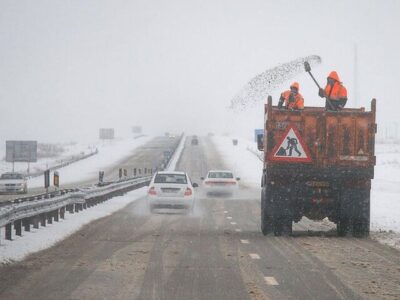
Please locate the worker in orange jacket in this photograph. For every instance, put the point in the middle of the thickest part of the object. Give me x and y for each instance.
(334, 92)
(292, 98)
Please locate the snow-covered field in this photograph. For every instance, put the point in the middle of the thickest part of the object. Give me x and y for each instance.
(385, 194)
(71, 151)
(109, 153)
(45, 237)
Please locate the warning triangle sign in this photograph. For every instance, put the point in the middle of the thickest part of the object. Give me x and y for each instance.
(291, 148)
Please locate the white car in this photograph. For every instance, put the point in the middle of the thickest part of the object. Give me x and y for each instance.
(220, 182)
(13, 183)
(171, 190)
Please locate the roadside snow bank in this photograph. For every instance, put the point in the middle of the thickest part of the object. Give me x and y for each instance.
(385, 194)
(177, 154)
(110, 152)
(45, 237)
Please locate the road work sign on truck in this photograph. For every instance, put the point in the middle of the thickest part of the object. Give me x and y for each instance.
(291, 147)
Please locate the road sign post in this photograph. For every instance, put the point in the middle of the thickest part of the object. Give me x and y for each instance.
(47, 180)
(101, 176)
(56, 179)
(260, 142)
(257, 132)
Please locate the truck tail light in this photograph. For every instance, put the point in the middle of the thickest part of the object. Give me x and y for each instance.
(152, 191)
(188, 192)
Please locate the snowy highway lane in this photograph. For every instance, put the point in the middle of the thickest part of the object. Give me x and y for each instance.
(216, 253)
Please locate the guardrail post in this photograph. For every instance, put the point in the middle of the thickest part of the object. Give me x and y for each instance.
(62, 212)
(35, 222)
(9, 231)
(49, 218)
(76, 207)
(43, 219)
(70, 208)
(18, 227)
(27, 224)
(56, 215)
(84, 205)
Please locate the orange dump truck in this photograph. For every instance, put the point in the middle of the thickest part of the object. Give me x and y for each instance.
(317, 164)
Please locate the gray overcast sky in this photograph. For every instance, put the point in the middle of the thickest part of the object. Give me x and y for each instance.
(70, 67)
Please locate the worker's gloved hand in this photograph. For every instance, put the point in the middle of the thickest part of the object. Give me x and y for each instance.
(321, 93)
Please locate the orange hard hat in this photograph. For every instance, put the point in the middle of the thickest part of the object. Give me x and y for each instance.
(334, 76)
(295, 85)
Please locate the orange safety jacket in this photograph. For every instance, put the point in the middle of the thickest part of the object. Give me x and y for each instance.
(298, 102)
(336, 92)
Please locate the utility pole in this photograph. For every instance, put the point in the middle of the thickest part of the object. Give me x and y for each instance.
(355, 79)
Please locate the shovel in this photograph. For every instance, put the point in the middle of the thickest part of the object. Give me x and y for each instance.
(307, 67)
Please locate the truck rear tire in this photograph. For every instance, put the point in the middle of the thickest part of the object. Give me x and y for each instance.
(283, 226)
(344, 211)
(282, 214)
(342, 226)
(354, 212)
(266, 220)
(288, 226)
(278, 228)
(361, 214)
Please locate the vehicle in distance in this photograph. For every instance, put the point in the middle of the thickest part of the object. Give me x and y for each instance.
(171, 190)
(220, 182)
(317, 164)
(195, 140)
(13, 183)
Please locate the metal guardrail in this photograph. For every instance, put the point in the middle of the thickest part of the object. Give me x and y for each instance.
(44, 208)
(37, 211)
(37, 197)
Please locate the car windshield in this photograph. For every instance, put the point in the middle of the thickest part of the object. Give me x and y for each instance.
(11, 176)
(220, 175)
(171, 178)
